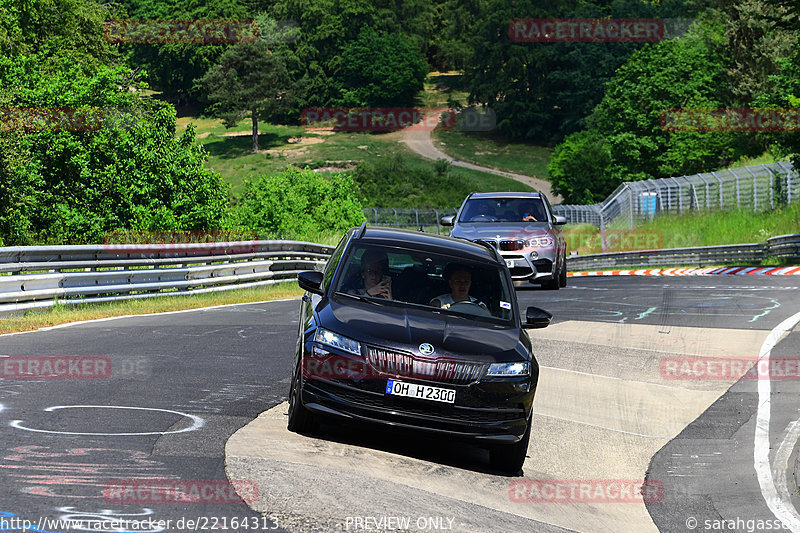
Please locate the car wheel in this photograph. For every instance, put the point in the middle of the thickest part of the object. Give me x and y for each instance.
(553, 284)
(562, 274)
(300, 419)
(509, 458)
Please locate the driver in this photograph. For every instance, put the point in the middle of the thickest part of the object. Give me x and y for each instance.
(459, 277)
(484, 210)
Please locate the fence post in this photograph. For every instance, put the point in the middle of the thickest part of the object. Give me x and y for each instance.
(436, 214)
(719, 180)
(630, 206)
(376, 215)
(771, 187)
(396, 222)
(738, 194)
(416, 214)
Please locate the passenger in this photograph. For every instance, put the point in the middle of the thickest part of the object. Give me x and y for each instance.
(529, 214)
(459, 277)
(376, 283)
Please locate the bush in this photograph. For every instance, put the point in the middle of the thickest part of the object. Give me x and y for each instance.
(391, 182)
(298, 204)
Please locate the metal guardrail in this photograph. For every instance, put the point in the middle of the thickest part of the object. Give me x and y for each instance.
(40, 276)
(34, 277)
(784, 246)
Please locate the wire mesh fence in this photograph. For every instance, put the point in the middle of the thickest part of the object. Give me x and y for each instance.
(418, 219)
(759, 188)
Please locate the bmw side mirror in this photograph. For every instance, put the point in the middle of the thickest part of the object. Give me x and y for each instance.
(310, 281)
(559, 220)
(537, 318)
(448, 220)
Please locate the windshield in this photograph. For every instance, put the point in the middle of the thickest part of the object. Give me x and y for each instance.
(438, 281)
(488, 210)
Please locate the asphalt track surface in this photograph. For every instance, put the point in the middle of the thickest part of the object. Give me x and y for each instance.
(183, 383)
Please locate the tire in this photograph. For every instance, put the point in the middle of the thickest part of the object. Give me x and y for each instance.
(562, 274)
(552, 284)
(301, 420)
(510, 458)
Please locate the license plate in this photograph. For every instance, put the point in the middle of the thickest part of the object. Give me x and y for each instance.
(422, 392)
(510, 263)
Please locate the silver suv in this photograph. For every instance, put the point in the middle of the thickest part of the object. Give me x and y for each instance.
(522, 227)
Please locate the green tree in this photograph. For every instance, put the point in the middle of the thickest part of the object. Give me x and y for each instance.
(579, 169)
(380, 69)
(173, 67)
(70, 181)
(249, 79)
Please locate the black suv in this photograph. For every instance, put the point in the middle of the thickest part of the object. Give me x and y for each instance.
(418, 331)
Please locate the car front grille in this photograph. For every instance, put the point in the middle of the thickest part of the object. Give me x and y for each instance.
(512, 246)
(443, 370)
(506, 246)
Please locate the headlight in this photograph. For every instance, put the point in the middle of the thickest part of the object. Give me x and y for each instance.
(335, 340)
(509, 369)
(540, 241)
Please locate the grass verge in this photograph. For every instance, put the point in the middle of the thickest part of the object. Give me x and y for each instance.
(62, 314)
(675, 231)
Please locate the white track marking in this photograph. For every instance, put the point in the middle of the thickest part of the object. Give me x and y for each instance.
(781, 508)
(197, 422)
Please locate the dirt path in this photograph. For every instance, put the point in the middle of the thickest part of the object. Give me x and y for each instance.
(419, 141)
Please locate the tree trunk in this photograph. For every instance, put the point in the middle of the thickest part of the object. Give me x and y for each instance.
(255, 131)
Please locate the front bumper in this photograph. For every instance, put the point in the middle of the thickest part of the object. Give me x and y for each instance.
(490, 411)
(524, 268)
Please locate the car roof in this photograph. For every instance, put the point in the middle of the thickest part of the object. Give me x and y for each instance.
(427, 241)
(505, 195)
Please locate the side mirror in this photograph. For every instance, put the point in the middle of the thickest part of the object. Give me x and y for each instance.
(537, 318)
(310, 281)
(559, 220)
(447, 221)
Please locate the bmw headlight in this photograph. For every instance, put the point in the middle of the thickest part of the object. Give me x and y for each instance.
(540, 241)
(335, 340)
(509, 369)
